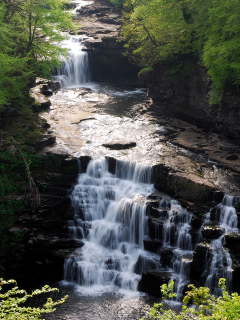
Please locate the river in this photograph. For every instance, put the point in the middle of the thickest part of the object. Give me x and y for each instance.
(110, 205)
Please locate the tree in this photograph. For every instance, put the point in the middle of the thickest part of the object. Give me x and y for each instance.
(29, 42)
(160, 31)
(11, 303)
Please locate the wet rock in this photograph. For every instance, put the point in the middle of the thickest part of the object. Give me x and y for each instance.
(218, 196)
(215, 213)
(155, 229)
(196, 222)
(152, 245)
(46, 91)
(212, 232)
(151, 281)
(41, 102)
(155, 196)
(158, 213)
(232, 157)
(119, 145)
(93, 43)
(44, 142)
(54, 243)
(181, 184)
(152, 207)
(232, 243)
(111, 19)
(144, 264)
(196, 236)
(200, 258)
(166, 256)
(93, 8)
(84, 161)
(111, 164)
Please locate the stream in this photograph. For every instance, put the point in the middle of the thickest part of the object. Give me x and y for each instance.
(111, 214)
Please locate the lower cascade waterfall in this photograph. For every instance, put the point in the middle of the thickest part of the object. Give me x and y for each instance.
(113, 224)
(220, 265)
(119, 223)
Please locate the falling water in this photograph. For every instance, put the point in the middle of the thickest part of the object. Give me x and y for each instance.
(220, 265)
(112, 222)
(74, 70)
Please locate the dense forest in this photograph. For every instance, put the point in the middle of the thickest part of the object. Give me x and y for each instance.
(177, 32)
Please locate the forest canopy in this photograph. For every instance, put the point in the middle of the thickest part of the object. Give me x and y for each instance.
(29, 34)
(157, 31)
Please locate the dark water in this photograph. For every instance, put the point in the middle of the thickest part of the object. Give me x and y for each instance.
(106, 306)
(124, 101)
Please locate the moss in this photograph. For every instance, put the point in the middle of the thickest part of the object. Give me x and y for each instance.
(145, 74)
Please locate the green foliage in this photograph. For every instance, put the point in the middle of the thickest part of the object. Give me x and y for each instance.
(12, 303)
(208, 307)
(117, 3)
(29, 43)
(160, 31)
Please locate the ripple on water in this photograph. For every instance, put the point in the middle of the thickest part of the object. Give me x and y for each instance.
(101, 306)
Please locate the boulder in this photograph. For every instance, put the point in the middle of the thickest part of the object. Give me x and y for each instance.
(196, 222)
(166, 255)
(144, 264)
(212, 232)
(215, 213)
(151, 281)
(41, 102)
(232, 243)
(119, 145)
(181, 184)
(155, 229)
(200, 258)
(152, 245)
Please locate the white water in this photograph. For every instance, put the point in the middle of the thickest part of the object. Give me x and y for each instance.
(220, 266)
(74, 71)
(112, 220)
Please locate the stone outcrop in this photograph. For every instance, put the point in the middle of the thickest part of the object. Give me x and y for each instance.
(151, 281)
(182, 185)
(201, 257)
(120, 145)
(211, 232)
(100, 21)
(232, 243)
(188, 99)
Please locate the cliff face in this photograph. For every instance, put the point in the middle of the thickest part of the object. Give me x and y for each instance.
(188, 98)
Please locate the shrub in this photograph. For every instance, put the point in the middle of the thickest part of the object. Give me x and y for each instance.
(11, 301)
(206, 305)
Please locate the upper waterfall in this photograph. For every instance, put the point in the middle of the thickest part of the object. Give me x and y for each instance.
(74, 70)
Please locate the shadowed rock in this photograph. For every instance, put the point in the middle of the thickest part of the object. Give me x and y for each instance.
(119, 145)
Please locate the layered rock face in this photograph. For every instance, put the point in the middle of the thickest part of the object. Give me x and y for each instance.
(100, 22)
(188, 98)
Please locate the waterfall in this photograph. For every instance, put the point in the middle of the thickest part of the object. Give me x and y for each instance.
(112, 220)
(112, 223)
(74, 70)
(220, 265)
